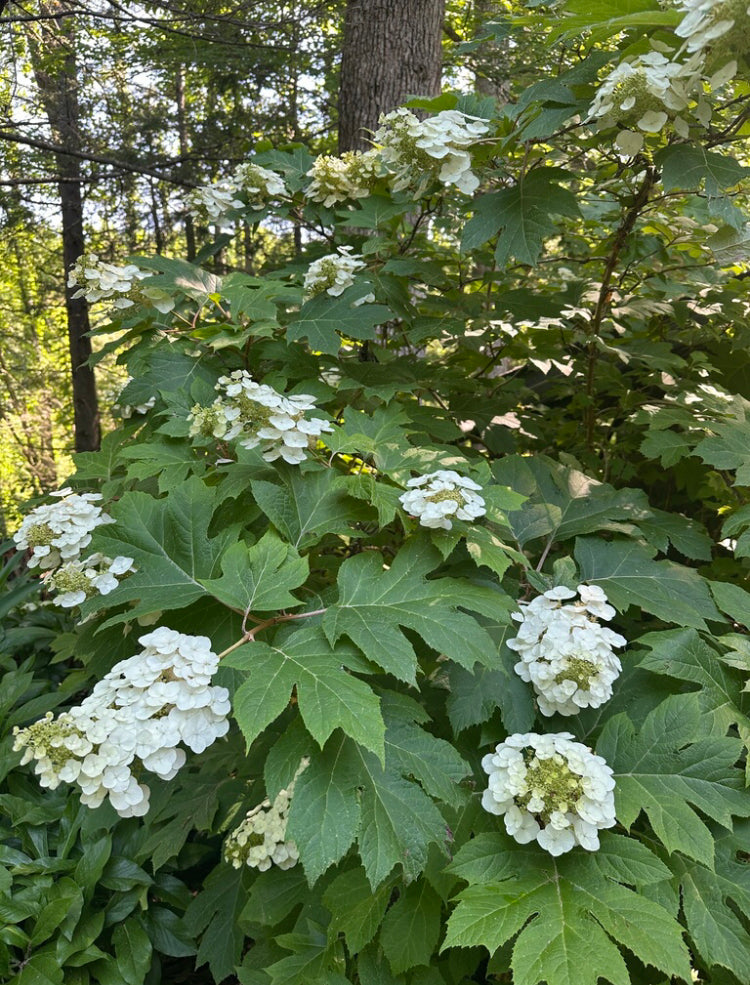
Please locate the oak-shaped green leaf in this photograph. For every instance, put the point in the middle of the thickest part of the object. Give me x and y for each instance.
(170, 459)
(259, 578)
(732, 599)
(169, 542)
(323, 320)
(671, 768)
(328, 696)
(567, 914)
(344, 793)
(411, 928)
(356, 910)
(684, 166)
(628, 574)
(562, 502)
(412, 751)
(707, 898)
(683, 654)
(214, 913)
(729, 446)
(375, 603)
(521, 215)
(305, 507)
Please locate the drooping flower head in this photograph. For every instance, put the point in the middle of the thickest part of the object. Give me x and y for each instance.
(75, 581)
(249, 186)
(260, 840)
(338, 179)
(718, 29)
(418, 152)
(135, 717)
(566, 654)
(550, 789)
(261, 417)
(441, 496)
(643, 93)
(334, 273)
(124, 286)
(127, 410)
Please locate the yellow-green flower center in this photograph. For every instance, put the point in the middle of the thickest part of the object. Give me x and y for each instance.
(254, 414)
(442, 497)
(577, 669)
(553, 781)
(70, 579)
(40, 535)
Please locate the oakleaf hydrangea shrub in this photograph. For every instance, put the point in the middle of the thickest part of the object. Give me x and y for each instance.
(442, 597)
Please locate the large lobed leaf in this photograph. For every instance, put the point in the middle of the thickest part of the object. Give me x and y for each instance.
(169, 541)
(375, 603)
(671, 768)
(328, 696)
(567, 912)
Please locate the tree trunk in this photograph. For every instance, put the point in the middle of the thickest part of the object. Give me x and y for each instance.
(391, 50)
(53, 47)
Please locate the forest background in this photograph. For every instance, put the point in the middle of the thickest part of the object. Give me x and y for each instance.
(134, 106)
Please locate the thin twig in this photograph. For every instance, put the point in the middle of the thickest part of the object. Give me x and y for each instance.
(248, 635)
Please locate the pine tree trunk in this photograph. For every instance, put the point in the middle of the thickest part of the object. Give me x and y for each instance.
(53, 47)
(391, 50)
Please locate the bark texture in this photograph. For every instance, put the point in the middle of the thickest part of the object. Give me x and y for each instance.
(55, 70)
(391, 50)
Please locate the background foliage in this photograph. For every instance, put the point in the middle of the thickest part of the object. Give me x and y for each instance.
(575, 338)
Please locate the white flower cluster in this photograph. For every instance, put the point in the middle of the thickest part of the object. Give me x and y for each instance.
(648, 90)
(250, 185)
(261, 416)
(337, 179)
(75, 581)
(419, 151)
(550, 789)
(438, 496)
(58, 532)
(565, 653)
(717, 29)
(260, 840)
(97, 280)
(134, 719)
(334, 273)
